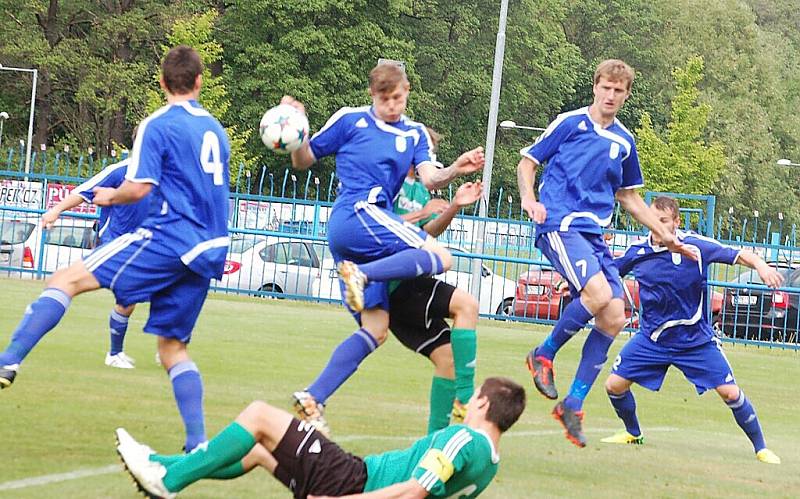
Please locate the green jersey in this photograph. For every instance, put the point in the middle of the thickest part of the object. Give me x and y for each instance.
(413, 196)
(454, 462)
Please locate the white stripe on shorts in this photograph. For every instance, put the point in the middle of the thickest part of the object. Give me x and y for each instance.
(557, 245)
(407, 234)
(102, 254)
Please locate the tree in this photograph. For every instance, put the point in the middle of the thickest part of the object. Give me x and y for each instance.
(682, 161)
(196, 31)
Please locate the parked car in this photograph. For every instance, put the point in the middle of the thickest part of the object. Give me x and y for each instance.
(497, 292)
(542, 293)
(745, 312)
(66, 242)
(272, 265)
(15, 250)
(782, 321)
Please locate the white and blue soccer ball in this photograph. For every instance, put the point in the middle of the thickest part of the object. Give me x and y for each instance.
(283, 128)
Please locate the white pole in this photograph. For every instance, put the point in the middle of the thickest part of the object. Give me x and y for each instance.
(491, 131)
(30, 125)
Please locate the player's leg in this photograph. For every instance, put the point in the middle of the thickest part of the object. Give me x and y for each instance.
(463, 309)
(118, 327)
(624, 404)
(43, 315)
(346, 357)
(572, 256)
(707, 368)
(173, 314)
(443, 388)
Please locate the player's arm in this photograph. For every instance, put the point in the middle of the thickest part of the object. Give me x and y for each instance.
(51, 215)
(127, 193)
(635, 205)
(769, 275)
(410, 489)
(526, 173)
(433, 177)
(432, 207)
(302, 158)
(465, 196)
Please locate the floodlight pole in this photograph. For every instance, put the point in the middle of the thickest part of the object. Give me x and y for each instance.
(491, 132)
(30, 118)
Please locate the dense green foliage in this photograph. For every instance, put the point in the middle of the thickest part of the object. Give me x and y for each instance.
(97, 61)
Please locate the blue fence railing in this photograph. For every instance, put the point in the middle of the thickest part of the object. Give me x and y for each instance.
(278, 250)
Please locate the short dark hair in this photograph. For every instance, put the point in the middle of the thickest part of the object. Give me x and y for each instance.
(666, 203)
(506, 401)
(180, 69)
(615, 70)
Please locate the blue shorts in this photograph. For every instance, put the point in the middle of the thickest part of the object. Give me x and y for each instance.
(137, 268)
(362, 232)
(578, 256)
(645, 362)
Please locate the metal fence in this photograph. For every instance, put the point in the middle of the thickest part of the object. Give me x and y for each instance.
(278, 250)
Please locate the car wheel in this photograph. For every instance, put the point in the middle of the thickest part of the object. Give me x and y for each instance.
(271, 288)
(506, 308)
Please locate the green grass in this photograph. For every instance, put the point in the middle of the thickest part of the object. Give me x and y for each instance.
(60, 414)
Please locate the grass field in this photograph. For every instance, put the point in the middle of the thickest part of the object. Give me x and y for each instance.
(60, 415)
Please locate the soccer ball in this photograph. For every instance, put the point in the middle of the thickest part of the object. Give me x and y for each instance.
(283, 128)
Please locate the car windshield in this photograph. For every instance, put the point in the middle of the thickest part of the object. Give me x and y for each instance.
(240, 245)
(15, 231)
(322, 251)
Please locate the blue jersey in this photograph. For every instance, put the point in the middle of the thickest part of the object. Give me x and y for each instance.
(372, 156)
(586, 165)
(183, 151)
(672, 289)
(117, 219)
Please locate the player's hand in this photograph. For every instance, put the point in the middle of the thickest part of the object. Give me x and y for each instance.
(435, 206)
(675, 246)
(103, 196)
(770, 276)
(468, 193)
(49, 218)
(536, 210)
(288, 99)
(470, 161)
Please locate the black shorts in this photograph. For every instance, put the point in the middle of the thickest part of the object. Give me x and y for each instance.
(417, 309)
(309, 463)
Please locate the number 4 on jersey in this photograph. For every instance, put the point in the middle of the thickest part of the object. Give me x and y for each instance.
(209, 156)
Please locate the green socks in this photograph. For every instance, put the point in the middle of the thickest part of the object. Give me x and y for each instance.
(227, 448)
(229, 472)
(465, 345)
(443, 391)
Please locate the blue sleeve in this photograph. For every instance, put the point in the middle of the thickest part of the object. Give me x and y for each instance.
(548, 142)
(147, 155)
(626, 262)
(714, 251)
(111, 176)
(423, 150)
(631, 170)
(332, 136)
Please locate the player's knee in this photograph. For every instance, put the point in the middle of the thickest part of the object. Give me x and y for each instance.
(728, 393)
(614, 386)
(463, 305)
(380, 335)
(446, 258)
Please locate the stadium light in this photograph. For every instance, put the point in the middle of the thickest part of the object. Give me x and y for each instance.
(30, 118)
(786, 162)
(511, 124)
(3, 118)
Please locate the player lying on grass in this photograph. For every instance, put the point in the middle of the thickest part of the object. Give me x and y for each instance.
(114, 221)
(458, 461)
(674, 329)
(591, 162)
(170, 259)
(374, 146)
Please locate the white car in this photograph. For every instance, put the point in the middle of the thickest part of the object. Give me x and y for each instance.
(15, 251)
(497, 292)
(69, 240)
(273, 265)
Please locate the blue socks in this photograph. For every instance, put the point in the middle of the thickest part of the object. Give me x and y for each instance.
(343, 363)
(746, 418)
(406, 264)
(593, 357)
(625, 405)
(118, 325)
(188, 389)
(40, 317)
(573, 318)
